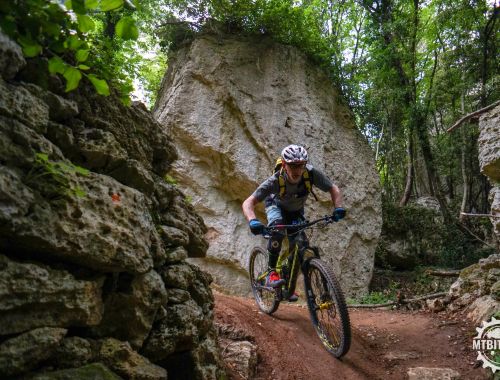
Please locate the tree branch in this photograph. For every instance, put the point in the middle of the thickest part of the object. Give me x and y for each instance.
(480, 215)
(473, 115)
(443, 273)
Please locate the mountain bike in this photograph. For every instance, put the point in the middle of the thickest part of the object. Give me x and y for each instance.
(325, 300)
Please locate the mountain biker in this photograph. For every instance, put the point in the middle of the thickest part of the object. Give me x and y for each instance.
(285, 194)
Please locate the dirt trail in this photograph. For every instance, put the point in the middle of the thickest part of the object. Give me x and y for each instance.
(384, 345)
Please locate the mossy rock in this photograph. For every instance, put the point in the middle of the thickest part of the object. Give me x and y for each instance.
(466, 272)
(490, 265)
(94, 371)
(495, 290)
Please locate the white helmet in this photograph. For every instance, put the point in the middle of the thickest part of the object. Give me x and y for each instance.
(294, 153)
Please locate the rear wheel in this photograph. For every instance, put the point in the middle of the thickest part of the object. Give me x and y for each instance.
(327, 307)
(265, 297)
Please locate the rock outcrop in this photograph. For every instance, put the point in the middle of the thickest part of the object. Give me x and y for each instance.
(94, 240)
(477, 290)
(232, 104)
(489, 161)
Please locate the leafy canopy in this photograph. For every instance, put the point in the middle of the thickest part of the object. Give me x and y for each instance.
(72, 36)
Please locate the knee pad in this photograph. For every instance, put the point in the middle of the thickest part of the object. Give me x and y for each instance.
(274, 246)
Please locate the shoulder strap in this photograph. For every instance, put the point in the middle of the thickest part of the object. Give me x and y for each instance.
(278, 165)
(306, 176)
(281, 180)
(307, 182)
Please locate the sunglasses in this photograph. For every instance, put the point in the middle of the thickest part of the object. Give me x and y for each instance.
(297, 166)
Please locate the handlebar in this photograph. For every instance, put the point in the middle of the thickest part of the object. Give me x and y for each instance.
(298, 227)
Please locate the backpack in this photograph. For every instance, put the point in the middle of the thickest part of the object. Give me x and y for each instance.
(306, 176)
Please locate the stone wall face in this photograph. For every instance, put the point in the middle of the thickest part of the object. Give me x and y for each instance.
(489, 160)
(93, 240)
(232, 104)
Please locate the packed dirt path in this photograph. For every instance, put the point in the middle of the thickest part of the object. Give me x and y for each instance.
(385, 343)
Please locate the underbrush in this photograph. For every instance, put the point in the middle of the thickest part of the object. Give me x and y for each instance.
(387, 286)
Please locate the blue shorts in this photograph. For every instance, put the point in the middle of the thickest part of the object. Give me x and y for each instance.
(273, 214)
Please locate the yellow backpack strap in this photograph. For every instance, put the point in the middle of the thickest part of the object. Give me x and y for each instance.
(278, 165)
(281, 180)
(307, 182)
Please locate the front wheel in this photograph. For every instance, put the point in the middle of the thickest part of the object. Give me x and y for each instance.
(266, 298)
(327, 307)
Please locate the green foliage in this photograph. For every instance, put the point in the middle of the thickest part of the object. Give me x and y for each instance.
(100, 85)
(286, 21)
(399, 220)
(126, 29)
(50, 177)
(378, 297)
(169, 179)
(428, 240)
(69, 35)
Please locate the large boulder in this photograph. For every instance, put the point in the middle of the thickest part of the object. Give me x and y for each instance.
(232, 104)
(87, 224)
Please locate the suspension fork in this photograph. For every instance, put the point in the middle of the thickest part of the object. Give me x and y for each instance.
(294, 270)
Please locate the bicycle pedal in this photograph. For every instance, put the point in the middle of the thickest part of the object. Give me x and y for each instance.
(293, 298)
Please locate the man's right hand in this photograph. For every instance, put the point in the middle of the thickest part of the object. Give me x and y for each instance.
(338, 213)
(256, 227)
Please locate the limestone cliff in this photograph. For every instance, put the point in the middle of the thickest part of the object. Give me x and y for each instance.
(93, 240)
(232, 104)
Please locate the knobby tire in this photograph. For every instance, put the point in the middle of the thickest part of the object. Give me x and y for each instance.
(335, 332)
(267, 300)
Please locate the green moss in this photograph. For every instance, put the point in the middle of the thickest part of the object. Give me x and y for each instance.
(170, 180)
(466, 272)
(52, 178)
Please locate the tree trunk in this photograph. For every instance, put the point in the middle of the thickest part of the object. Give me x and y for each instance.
(424, 142)
(466, 181)
(410, 171)
(466, 184)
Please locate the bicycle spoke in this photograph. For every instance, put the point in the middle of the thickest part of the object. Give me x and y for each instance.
(265, 297)
(327, 321)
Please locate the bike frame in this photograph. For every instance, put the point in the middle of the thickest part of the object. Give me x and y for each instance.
(325, 300)
(297, 253)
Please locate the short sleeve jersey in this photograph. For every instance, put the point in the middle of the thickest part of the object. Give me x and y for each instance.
(295, 194)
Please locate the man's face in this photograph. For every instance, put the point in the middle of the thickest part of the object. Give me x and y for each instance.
(294, 171)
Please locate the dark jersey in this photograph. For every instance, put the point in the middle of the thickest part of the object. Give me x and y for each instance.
(295, 194)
